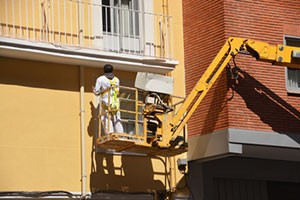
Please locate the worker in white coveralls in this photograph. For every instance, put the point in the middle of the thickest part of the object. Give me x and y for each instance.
(107, 86)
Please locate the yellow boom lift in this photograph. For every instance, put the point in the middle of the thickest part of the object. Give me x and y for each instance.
(163, 124)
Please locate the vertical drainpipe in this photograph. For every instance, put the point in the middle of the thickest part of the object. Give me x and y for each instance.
(82, 126)
(82, 111)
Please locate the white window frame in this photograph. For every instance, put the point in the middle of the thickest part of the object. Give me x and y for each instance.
(289, 88)
(121, 38)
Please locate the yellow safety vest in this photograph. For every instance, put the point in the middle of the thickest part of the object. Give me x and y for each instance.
(114, 104)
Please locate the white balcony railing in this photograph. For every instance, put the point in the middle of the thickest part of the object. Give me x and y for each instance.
(86, 24)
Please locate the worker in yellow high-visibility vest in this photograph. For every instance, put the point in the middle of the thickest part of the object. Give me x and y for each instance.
(108, 84)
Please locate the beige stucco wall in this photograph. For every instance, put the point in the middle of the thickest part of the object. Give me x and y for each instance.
(40, 141)
(40, 134)
(39, 129)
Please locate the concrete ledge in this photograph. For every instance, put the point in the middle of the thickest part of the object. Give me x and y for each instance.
(264, 138)
(257, 144)
(209, 145)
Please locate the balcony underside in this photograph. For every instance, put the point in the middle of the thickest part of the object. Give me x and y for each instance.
(22, 49)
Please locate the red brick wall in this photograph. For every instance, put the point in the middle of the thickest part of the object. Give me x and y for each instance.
(260, 100)
(204, 35)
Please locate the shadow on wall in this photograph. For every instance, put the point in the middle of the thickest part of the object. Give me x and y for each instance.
(52, 75)
(272, 109)
(217, 105)
(122, 173)
(135, 174)
(39, 74)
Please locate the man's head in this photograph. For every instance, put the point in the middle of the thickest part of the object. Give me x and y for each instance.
(108, 68)
(108, 71)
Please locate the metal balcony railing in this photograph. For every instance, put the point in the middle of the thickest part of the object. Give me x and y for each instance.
(86, 24)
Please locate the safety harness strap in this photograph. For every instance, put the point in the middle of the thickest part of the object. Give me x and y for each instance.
(114, 102)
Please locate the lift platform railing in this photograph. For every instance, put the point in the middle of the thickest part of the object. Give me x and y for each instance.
(131, 117)
(136, 137)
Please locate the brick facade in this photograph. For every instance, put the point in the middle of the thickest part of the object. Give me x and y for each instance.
(259, 101)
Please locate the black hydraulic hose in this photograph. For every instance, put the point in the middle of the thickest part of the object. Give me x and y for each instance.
(37, 194)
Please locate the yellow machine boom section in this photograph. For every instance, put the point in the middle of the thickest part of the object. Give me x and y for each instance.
(277, 55)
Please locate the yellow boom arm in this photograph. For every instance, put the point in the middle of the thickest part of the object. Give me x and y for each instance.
(277, 55)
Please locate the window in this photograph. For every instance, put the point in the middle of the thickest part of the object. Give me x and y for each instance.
(121, 25)
(293, 75)
(121, 17)
(106, 23)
